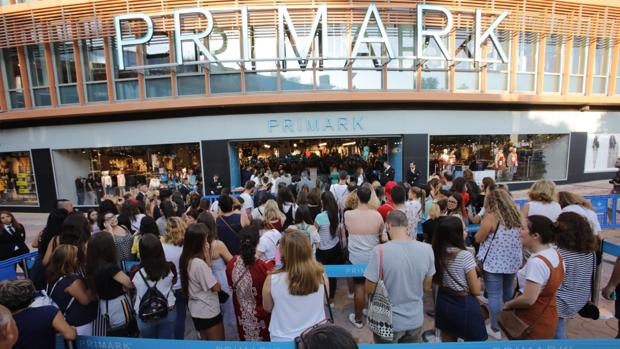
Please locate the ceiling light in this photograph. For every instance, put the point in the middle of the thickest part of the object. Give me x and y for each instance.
(295, 145)
(322, 144)
(348, 143)
(266, 146)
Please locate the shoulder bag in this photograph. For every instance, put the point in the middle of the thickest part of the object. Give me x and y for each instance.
(480, 264)
(484, 308)
(380, 307)
(590, 310)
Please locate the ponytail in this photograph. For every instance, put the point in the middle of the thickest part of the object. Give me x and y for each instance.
(248, 238)
(248, 252)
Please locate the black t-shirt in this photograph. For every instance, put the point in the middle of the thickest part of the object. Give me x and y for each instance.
(79, 184)
(77, 314)
(35, 328)
(106, 286)
(428, 228)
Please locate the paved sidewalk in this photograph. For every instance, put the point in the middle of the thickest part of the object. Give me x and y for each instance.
(577, 328)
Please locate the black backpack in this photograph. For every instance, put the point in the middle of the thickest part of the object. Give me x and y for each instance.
(153, 305)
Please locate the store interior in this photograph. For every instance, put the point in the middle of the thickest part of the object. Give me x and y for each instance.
(115, 170)
(320, 156)
(17, 183)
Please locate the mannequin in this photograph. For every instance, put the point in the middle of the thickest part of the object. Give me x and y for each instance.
(120, 182)
(106, 182)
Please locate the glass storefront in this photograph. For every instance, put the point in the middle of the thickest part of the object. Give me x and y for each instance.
(17, 183)
(506, 158)
(116, 170)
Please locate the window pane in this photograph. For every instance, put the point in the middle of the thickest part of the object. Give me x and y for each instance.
(225, 83)
(401, 80)
(97, 92)
(332, 80)
(367, 79)
(11, 65)
(68, 94)
(497, 73)
(36, 65)
(552, 83)
(17, 99)
(17, 181)
(434, 80)
(467, 80)
(497, 81)
(602, 57)
(617, 86)
(434, 71)
(65, 63)
(599, 85)
(263, 81)
(93, 60)
(41, 97)
(158, 87)
(157, 52)
(295, 80)
(527, 61)
(576, 84)
(526, 82)
(554, 55)
(130, 59)
(127, 89)
(191, 85)
(579, 55)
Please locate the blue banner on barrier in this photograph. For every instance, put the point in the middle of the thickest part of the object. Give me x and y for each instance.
(138, 343)
(611, 249)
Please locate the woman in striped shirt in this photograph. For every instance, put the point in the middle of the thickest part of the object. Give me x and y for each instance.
(576, 244)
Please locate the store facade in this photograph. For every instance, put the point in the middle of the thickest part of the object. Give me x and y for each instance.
(101, 98)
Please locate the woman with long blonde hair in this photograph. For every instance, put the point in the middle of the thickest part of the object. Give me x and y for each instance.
(500, 251)
(295, 294)
(273, 217)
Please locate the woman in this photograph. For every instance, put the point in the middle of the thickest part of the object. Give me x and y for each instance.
(199, 284)
(68, 289)
(455, 205)
(268, 243)
(220, 256)
(147, 226)
(246, 275)
(123, 240)
(542, 201)
(304, 224)
(92, 216)
(132, 211)
(37, 326)
(460, 186)
(329, 251)
(538, 280)
(287, 205)
(487, 182)
(458, 285)
(500, 252)
(577, 245)
(574, 203)
(172, 244)
(75, 231)
(168, 209)
(295, 294)
(273, 217)
(259, 211)
(229, 223)
(435, 212)
(155, 273)
(314, 202)
(435, 188)
(12, 237)
(48, 234)
(109, 283)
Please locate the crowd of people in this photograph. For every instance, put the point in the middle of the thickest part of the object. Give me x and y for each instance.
(250, 267)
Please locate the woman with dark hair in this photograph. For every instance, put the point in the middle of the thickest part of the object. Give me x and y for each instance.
(131, 208)
(329, 251)
(75, 230)
(200, 285)
(304, 224)
(458, 285)
(246, 275)
(12, 237)
(261, 199)
(92, 216)
(455, 205)
(123, 240)
(459, 185)
(68, 289)
(147, 226)
(169, 209)
(229, 223)
(577, 245)
(107, 206)
(314, 202)
(108, 281)
(287, 205)
(327, 336)
(539, 280)
(47, 235)
(155, 272)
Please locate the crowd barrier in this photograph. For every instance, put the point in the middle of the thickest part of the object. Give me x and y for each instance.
(139, 343)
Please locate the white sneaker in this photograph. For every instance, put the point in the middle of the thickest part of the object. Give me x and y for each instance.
(365, 311)
(357, 324)
(495, 334)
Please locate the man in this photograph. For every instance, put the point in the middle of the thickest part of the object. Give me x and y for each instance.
(614, 286)
(248, 202)
(65, 204)
(365, 227)
(341, 189)
(388, 173)
(390, 204)
(80, 190)
(215, 185)
(142, 189)
(8, 329)
(360, 178)
(408, 268)
(305, 180)
(413, 176)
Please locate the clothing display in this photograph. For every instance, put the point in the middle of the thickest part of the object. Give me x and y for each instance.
(612, 153)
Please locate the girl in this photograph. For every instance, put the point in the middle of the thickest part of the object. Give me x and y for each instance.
(147, 226)
(123, 240)
(329, 251)
(12, 237)
(303, 223)
(273, 217)
(92, 216)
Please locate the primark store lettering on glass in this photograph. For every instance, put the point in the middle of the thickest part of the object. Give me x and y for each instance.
(115, 93)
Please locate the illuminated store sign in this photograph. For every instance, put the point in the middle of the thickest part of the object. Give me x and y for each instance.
(319, 31)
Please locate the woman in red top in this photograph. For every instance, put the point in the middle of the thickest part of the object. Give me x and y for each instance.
(246, 275)
(459, 185)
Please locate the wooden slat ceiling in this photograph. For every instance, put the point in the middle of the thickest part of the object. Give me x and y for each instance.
(55, 21)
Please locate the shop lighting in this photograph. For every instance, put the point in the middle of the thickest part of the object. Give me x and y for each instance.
(322, 144)
(266, 146)
(294, 145)
(348, 143)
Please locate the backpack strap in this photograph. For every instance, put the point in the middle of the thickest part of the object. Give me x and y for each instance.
(146, 281)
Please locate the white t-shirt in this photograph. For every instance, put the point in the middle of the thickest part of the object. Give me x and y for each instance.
(340, 192)
(164, 286)
(550, 210)
(587, 214)
(248, 202)
(258, 212)
(173, 254)
(268, 243)
(536, 269)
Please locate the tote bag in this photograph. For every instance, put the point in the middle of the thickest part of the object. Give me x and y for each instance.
(380, 307)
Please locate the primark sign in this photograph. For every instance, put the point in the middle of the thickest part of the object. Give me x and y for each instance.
(366, 37)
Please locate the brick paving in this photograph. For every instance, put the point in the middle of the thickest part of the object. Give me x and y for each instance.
(576, 328)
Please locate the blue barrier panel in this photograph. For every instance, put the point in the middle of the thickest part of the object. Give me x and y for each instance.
(7, 267)
(139, 343)
(611, 249)
(345, 270)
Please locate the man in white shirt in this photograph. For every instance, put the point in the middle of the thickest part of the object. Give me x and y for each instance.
(248, 201)
(341, 189)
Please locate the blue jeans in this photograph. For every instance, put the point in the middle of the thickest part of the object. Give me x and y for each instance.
(500, 289)
(159, 329)
(560, 331)
(181, 305)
